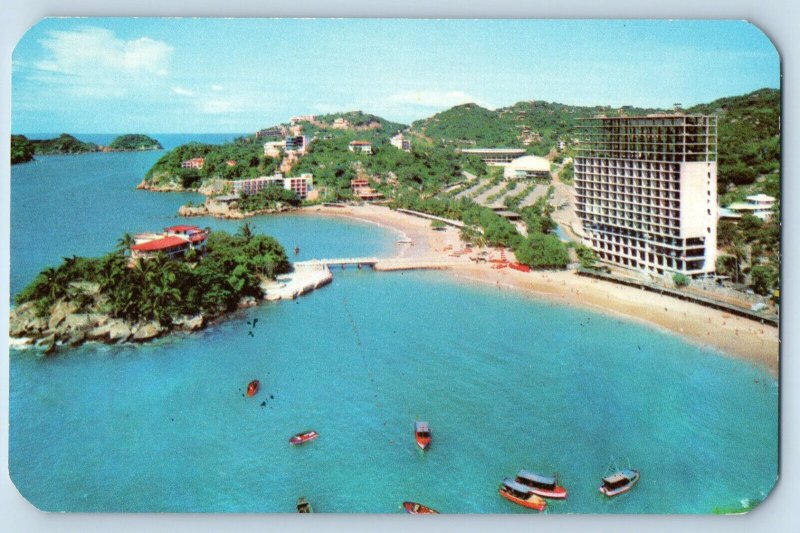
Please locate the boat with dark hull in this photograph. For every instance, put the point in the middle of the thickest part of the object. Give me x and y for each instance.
(303, 506)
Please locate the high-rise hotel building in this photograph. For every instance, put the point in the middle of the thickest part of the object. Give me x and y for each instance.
(647, 191)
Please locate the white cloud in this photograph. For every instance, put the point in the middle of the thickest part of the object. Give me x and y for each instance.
(216, 88)
(183, 91)
(437, 99)
(95, 62)
(217, 106)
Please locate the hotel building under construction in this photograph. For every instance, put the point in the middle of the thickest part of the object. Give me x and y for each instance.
(646, 191)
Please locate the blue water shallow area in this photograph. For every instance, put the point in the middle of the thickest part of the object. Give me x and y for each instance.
(505, 381)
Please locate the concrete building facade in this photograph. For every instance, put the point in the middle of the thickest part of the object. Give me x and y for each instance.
(646, 192)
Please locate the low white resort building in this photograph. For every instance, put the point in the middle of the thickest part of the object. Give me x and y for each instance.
(529, 166)
(758, 205)
(495, 156)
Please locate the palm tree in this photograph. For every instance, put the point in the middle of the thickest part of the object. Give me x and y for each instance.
(739, 250)
(246, 231)
(125, 242)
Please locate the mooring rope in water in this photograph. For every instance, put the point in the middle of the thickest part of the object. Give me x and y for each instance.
(360, 345)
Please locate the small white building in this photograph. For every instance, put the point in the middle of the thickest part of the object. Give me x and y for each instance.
(401, 143)
(529, 166)
(364, 147)
(273, 149)
(758, 205)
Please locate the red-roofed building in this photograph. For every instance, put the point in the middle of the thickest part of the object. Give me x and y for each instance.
(195, 162)
(174, 242)
(364, 147)
(230, 163)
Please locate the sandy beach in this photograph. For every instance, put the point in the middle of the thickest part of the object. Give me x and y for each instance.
(733, 335)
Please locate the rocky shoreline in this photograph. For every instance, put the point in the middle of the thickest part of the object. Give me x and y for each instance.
(67, 326)
(64, 325)
(217, 209)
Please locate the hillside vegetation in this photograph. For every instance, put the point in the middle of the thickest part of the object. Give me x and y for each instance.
(748, 130)
(21, 149)
(63, 144)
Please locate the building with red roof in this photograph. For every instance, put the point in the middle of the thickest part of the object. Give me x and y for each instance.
(174, 242)
(365, 147)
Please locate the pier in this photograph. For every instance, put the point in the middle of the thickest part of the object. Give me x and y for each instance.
(382, 265)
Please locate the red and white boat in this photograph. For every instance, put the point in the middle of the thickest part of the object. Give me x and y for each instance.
(619, 482)
(418, 508)
(252, 387)
(422, 434)
(302, 438)
(544, 486)
(521, 495)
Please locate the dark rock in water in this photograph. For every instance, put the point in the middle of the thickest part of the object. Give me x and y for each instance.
(264, 403)
(271, 397)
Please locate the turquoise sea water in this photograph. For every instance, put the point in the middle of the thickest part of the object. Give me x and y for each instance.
(505, 381)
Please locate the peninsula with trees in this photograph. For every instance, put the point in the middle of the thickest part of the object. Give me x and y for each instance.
(140, 292)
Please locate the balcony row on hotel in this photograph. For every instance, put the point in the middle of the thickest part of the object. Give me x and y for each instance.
(173, 242)
(651, 180)
(302, 185)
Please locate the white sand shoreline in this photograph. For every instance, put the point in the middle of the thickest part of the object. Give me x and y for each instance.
(703, 326)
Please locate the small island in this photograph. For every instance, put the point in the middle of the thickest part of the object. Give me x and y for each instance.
(133, 142)
(24, 149)
(152, 284)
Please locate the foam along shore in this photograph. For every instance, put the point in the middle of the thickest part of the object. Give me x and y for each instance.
(419, 243)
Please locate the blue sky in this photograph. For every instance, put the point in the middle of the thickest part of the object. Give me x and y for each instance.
(102, 75)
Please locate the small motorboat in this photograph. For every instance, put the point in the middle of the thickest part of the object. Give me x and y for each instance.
(544, 486)
(302, 438)
(619, 482)
(252, 388)
(303, 506)
(521, 495)
(418, 508)
(422, 434)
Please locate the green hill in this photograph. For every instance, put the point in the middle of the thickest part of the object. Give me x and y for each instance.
(748, 130)
(536, 125)
(134, 142)
(63, 144)
(21, 149)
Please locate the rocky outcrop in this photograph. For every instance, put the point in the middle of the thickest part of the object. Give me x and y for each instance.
(59, 312)
(148, 331)
(192, 211)
(169, 186)
(247, 301)
(190, 323)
